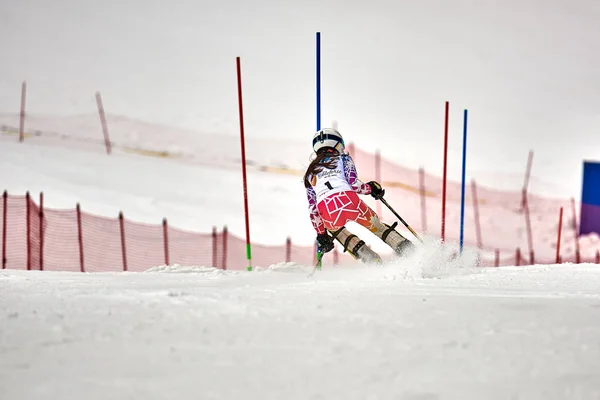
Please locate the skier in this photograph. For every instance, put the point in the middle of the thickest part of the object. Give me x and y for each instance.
(332, 186)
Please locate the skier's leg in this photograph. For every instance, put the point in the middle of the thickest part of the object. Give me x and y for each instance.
(336, 211)
(369, 219)
(401, 245)
(355, 246)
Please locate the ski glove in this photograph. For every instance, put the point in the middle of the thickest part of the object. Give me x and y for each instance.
(324, 242)
(376, 190)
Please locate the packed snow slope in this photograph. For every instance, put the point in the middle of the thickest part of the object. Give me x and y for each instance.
(416, 330)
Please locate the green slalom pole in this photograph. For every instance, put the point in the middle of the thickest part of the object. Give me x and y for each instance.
(249, 256)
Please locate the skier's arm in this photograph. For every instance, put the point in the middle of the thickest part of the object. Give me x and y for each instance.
(315, 218)
(352, 177)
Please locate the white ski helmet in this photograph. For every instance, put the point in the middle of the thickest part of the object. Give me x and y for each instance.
(328, 137)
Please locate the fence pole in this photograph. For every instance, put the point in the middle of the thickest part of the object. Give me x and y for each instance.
(123, 247)
(214, 247)
(526, 181)
(575, 232)
(597, 256)
(497, 258)
(559, 234)
(41, 215)
(103, 122)
(528, 227)
(288, 249)
(80, 237)
(22, 114)
(444, 179)
(225, 233)
(166, 239)
(423, 200)
(4, 228)
(28, 228)
(476, 214)
(518, 257)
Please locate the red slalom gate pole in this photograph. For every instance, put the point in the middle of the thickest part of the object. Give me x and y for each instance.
(559, 233)
(243, 146)
(444, 179)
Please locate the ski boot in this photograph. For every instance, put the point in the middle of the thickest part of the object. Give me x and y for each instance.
(401, 245)
(356, 247)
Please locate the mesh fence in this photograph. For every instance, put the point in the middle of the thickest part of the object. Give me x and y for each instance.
(38, 238)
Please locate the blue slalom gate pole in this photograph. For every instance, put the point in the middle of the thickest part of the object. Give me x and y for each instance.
(462, 189)
(319, 254)
(318, 80)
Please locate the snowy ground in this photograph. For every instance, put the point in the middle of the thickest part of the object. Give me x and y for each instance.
(396, 332)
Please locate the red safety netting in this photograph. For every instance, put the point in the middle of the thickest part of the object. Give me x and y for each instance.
(61, 241)
(14, 229)
(494, 219)
(36, 238)
(72, 240)
(101, 243)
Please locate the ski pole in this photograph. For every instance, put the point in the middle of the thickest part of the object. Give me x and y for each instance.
(319, 259)
(401, 220)
(317, 264)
